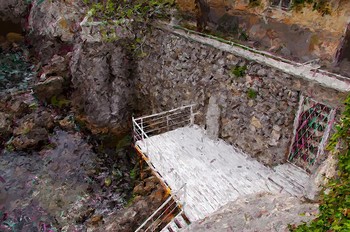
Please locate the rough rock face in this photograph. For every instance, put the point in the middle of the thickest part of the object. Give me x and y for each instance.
(262, 212)
(4, 123)
(257, 103)
(45, 90)
(55, 19)
(12, 10)
(53, 25)
(101, 76)
(36, 136)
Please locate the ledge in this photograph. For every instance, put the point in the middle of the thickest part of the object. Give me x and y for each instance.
(305, 71)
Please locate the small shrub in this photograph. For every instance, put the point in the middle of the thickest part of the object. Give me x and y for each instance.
(133, 173)
(238, 71)
(243, 36)
(252, 94)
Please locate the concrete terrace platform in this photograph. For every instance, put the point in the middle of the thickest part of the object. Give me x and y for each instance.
(214, 172)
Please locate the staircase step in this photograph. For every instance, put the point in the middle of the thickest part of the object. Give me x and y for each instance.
(291, 179)
(176, 224)
(181, 221)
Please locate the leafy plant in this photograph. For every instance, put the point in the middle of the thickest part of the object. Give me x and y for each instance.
(59, 102)
(133, 173)
(252, 94)
(243, 36)
(136, 14)
(238, 71)
(335, 201)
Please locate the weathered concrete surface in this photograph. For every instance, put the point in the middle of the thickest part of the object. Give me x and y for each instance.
(260, 212)
(213, 172)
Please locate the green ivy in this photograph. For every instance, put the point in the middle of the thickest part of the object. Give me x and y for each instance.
(335, 201)
(238, 71)
(132, 15)
(119, 11)
(252, 94)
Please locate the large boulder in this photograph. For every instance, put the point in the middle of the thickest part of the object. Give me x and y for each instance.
(49, 88)
(55, 18)
(101, 75)
(31, 139)
(53, 25)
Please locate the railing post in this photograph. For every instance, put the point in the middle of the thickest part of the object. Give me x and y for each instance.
(133, 129)
(184, 197)
(142, 132)
(191, 116)
(167, 122)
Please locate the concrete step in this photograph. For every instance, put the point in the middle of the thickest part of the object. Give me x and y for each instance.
(291, 179)
(176, 224)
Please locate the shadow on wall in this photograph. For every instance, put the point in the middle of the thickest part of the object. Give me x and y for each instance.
(8, 26)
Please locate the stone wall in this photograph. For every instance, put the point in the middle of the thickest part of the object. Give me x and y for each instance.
(302, 35)
(257, 110)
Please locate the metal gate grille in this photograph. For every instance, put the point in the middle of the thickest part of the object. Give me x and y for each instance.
(314, 122)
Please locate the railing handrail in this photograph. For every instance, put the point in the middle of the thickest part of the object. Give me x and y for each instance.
(138, 126)
(153, 214)
(165, 112)
(176, 199)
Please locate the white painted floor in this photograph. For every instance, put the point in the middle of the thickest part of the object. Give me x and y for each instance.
(214, 172)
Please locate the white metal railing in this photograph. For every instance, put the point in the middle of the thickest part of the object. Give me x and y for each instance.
(163, 215)
(158, 123)
(143, 128)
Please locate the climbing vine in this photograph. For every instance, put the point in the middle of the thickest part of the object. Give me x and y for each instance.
(132, 16)
(335, 200)
(138, 12)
